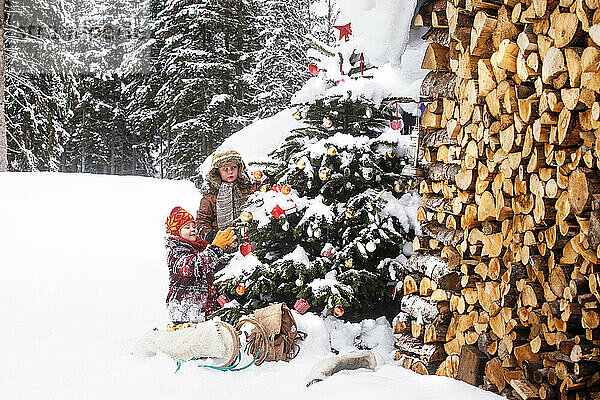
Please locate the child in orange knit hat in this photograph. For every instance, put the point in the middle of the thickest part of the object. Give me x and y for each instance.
(192, 295)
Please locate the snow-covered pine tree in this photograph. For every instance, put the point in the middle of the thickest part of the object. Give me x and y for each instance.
(340, 217)
(323, 14)
(200, 55)
(278, 67)
(3, 143)
(35, 96)
(99, 140)
(141, 81)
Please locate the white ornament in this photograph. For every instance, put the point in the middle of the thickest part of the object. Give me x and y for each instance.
(371, 246)
(367, 173)
(327, 123)
(369, 112)
(299, 282)
(317, 233)
(309, 231)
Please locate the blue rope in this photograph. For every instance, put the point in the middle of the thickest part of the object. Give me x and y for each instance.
(232, 367)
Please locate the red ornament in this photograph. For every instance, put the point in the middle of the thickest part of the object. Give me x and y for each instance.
(328, 251)
(338, 311)
(313, 69)
(301, 306)
(362, 63)
(245, 249)
(339, 81)
(222, 300)
(240, 290)
(397, 289)
(258, 175)
(345, 31)
(397, 124)
(278, 211)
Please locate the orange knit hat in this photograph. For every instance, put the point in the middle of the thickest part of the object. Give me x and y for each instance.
(177, 220)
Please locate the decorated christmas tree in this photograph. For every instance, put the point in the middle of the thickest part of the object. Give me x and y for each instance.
(335, 215)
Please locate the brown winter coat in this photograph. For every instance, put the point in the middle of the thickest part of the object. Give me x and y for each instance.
(206, 217)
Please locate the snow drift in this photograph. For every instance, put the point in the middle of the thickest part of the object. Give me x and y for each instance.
(84, 277)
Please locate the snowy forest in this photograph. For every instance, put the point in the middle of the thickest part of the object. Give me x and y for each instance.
(148, 87)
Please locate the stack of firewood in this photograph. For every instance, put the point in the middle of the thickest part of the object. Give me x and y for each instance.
(509, 257)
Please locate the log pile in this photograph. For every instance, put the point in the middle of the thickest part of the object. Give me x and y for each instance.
(510, 207)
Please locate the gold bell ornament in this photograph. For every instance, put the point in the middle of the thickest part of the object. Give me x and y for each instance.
(246, 216)
(301, 164)
(324, 173)
(297, 115)
(390, 154)
(350, 213)
(331, 151)
(349, 263)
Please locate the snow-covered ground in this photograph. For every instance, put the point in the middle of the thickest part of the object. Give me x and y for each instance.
(84, 276)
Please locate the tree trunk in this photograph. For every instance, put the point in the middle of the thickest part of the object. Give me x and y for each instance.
(3, 144)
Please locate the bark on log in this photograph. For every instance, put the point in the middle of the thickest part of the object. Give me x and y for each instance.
(472, 365)
(438, 85)
(414, 347)
(433, 267)
(423, 310)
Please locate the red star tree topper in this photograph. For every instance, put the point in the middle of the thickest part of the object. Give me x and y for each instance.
(345, 31)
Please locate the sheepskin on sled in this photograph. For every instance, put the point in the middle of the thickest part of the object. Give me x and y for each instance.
(203, 340)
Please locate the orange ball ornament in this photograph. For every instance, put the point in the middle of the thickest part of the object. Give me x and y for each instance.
(286, 189)
(264, 188)
(240, 290)
(338, 311)
(258, 175)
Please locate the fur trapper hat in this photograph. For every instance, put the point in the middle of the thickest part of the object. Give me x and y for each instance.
(226, 159)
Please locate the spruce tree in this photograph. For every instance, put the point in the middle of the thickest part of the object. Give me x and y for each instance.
(340, 217)
(279, 67)
(35, 96)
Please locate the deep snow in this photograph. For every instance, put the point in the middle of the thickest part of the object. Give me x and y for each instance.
(84, 276)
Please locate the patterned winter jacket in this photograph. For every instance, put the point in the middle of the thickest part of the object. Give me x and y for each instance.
(191, 272)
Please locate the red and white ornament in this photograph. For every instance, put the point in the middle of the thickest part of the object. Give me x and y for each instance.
(328, 250)
(301, 306)
(222, 300)
(288, 207)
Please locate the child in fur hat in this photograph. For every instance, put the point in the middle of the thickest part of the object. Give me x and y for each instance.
(192, 295)
(227, 186)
